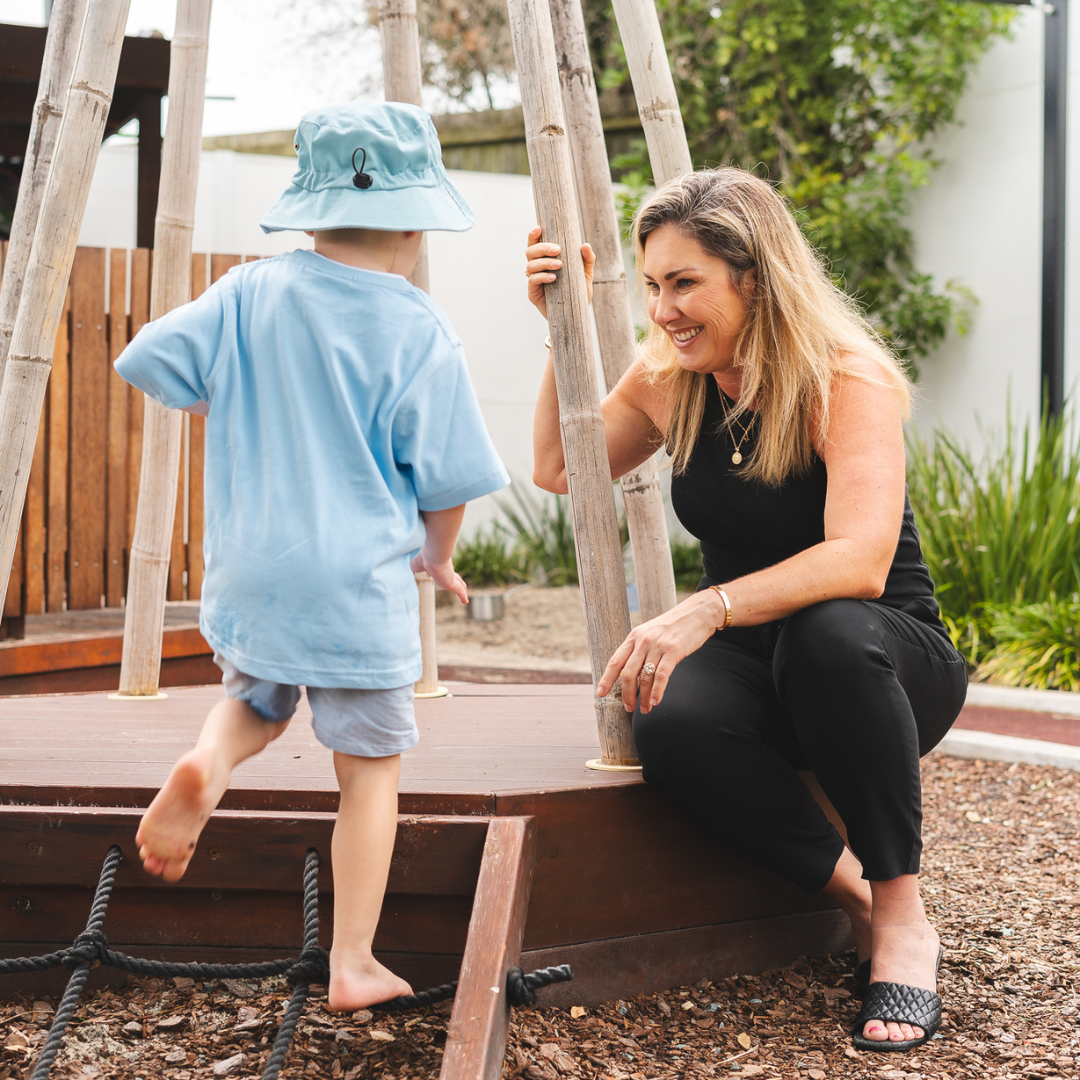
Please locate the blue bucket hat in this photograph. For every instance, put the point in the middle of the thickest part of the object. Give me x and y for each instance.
(369, 165)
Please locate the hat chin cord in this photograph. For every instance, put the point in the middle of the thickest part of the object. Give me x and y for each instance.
(362, 179)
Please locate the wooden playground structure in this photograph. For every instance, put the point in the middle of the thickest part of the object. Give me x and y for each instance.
(508, 846)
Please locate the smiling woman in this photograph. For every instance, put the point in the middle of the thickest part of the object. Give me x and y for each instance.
(784, 707)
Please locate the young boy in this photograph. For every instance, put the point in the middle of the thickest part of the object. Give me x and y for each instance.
(343, 438)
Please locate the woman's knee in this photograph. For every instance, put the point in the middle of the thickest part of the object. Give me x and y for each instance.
(825, 642)
(666, 733)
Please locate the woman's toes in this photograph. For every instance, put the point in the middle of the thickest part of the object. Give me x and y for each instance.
(876, 1031)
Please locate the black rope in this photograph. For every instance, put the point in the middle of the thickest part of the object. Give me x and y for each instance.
(91, 948)
(77, 981)
(283, 1040)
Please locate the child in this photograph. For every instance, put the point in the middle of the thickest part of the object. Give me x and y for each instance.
(343, 438)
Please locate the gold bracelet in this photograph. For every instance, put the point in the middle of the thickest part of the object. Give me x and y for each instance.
(719, 590)
(547, 341)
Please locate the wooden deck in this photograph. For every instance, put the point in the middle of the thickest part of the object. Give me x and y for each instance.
(80, 651)
(622, 889)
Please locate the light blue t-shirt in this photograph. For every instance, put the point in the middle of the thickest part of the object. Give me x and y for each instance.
(340, 407)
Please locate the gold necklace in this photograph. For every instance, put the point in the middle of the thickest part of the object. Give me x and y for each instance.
(732, 421)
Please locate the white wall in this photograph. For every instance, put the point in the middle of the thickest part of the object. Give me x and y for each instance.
(980, 223)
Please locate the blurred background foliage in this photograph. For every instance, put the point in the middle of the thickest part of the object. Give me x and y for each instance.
(835, 101)
(1002, 542)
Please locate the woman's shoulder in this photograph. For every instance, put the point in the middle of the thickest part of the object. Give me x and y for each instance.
(643, 388)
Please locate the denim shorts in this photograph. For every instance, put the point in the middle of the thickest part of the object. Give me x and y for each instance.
(362, 723)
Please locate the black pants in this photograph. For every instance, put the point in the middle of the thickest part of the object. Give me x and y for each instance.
(853, 690)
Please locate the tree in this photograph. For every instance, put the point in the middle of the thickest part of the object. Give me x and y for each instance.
(835, 101)
(465, 46)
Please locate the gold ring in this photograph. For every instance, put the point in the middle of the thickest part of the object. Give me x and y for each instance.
(648, 668)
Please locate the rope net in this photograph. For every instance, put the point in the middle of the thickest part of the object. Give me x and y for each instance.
(91, 948)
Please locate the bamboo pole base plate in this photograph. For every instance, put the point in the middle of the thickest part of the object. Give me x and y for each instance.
(439, 691)
(159, 696)
(600, 765)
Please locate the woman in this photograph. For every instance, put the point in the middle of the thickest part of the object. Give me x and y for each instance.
(814, 642)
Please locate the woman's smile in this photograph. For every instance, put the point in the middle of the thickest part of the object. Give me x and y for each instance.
(683, 337)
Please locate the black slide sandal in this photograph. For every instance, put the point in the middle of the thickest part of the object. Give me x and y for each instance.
(898, 1004)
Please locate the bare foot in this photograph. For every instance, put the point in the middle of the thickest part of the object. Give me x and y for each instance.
(171, 825)
(357, 985)
(907, 955)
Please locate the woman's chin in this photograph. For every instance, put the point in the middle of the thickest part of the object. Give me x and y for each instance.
(704, 365)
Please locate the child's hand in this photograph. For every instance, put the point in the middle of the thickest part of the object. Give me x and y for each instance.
(443, 574)
(541, 262)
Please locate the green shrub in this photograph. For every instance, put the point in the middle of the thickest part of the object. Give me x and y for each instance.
(1035, 645)
(543, 534)
(1001, 530)
(686, 562)
(1002, 543)
(489, 559)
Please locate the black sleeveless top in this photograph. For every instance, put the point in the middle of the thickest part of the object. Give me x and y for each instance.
(745, 525)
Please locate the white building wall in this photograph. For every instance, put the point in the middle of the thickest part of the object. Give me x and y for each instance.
(980, 223)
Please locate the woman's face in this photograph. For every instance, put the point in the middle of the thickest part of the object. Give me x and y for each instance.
(692, 299)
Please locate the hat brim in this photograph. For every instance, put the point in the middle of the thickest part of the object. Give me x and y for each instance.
(440, 207)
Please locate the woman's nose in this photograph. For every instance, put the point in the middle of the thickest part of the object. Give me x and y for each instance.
(665, 310)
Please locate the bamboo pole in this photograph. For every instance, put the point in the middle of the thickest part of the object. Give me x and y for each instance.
(52, 251)
(403, 81)
(611, 303)
(654, 88)
(170, 287)
(428, 686)
(592, 500)
(61, 47)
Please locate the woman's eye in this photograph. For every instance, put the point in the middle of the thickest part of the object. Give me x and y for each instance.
(682, 283)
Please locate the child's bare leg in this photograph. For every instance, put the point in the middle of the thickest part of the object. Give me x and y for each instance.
(362, 846)
(167, 834)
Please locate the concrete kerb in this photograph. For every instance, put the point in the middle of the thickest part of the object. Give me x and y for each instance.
(988, 746)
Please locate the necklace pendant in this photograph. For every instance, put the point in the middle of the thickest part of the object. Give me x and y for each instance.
(736, 458)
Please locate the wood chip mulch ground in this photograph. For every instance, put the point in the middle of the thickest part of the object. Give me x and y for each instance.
(1001, 872)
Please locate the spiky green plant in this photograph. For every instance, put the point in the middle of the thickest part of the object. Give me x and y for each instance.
(543, 534)
(1000, 530)
(1035, 645)
(490, 558)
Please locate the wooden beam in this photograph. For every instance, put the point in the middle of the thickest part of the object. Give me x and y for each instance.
(46, 110)
(149, 168)
(249, 850)
(588, 471)
(144, 62)
(642, 497)
(476, 1037)
(67, 188)
(170, 287)
(654, 88)
(402, 82)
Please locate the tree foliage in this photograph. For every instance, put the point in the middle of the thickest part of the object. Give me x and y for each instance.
(835, 101)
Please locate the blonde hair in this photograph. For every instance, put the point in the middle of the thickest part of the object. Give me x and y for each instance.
(797, 329)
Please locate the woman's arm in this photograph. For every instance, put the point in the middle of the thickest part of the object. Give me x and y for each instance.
(631, 410)
(864, 456)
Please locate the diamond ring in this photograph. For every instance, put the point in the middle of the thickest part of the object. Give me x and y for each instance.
(648, 668)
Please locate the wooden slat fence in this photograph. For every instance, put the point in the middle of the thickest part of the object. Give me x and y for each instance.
(79, 517)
